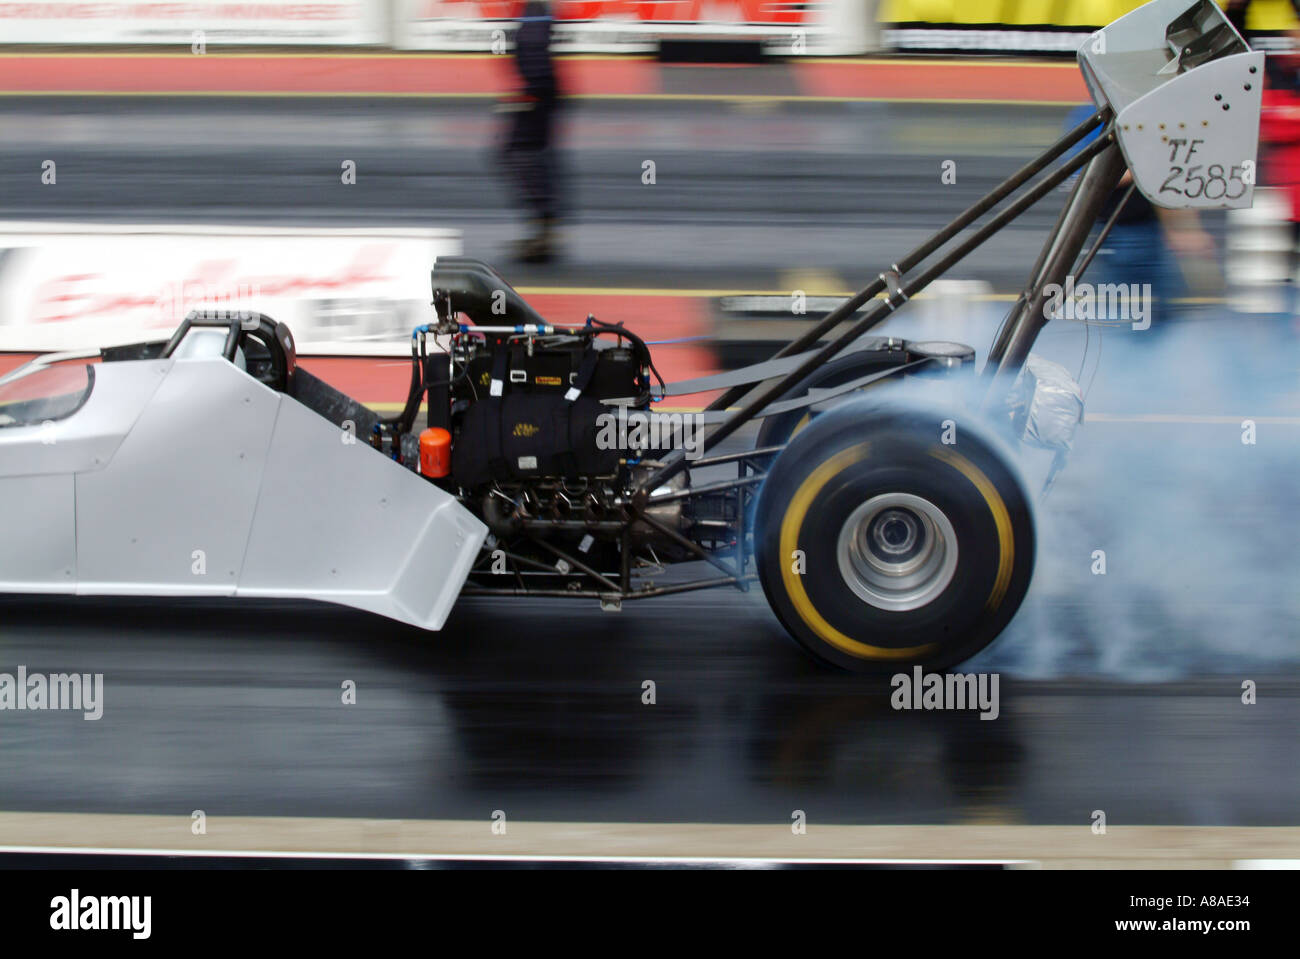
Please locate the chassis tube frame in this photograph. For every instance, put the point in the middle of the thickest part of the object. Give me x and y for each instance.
(1091, 190)
(935, 241)
(1064, 243)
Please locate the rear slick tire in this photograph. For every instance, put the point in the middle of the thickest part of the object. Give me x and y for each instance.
(881, 546)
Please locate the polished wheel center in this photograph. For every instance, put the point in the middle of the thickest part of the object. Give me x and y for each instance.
(894, 533)
(897, 551)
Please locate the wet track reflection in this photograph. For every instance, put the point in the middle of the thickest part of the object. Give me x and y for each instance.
(237, 710)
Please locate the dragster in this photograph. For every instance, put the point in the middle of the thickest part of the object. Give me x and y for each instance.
(880, 509)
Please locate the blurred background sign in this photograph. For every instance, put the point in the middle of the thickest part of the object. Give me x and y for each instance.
(352, 291)
(1029, 25)
(323, 22)
(612, 26)
(782, 27)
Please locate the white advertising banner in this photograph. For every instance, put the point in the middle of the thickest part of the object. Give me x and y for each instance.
(328, 22)
(615, 26)
(341, 292)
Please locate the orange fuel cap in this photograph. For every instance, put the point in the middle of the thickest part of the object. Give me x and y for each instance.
(435, 452)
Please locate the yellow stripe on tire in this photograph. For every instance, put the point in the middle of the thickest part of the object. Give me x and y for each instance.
(790, 526)
(1001, 519)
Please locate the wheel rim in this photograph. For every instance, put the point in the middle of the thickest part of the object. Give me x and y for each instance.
(897, 551)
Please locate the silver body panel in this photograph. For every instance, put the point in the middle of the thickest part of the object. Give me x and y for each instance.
(40, 534)
(189, 477)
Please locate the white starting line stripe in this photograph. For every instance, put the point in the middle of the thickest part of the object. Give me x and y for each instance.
(738, 861)
(412, 840)
(1266, 864)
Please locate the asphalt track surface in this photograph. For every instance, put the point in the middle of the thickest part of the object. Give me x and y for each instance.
(1119, 692)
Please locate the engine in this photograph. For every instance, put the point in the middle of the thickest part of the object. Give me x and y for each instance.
(521, 426)
(529, 406)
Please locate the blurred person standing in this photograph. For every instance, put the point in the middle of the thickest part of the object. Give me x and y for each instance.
(529, 151)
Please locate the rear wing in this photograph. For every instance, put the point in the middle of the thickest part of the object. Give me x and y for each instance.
(1185, 91)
